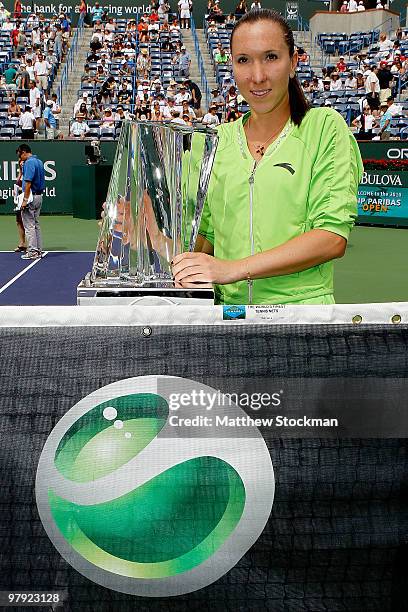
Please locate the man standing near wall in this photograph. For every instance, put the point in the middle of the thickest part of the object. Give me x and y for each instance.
(33, 187)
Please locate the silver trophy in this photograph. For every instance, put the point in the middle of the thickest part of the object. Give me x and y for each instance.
(152, 212)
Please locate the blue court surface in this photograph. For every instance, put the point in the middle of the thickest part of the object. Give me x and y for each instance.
(51, 280)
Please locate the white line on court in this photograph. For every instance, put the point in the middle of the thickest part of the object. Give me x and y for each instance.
(13, 280)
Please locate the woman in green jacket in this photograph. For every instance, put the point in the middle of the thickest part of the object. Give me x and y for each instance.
(283, 193)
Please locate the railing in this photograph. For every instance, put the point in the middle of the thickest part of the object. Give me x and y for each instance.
(69, 63)
(204, 83)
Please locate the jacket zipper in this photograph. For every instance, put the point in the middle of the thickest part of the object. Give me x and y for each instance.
(251, 226)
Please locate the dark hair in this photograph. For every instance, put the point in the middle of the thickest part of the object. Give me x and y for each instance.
(23, 148)
(297, 101)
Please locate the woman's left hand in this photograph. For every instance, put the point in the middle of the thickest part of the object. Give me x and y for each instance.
(202, 268)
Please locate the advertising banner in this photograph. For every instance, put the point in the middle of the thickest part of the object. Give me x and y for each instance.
(383, 198)
(198, 467)
(60, 158)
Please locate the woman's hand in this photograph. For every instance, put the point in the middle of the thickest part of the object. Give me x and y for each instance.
(203, 268)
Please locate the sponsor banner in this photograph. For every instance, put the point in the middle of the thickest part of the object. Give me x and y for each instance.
(292, 11)
(383, 198)
(167, 471)
(60, 161)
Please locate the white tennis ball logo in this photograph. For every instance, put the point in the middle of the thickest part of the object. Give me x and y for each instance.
(142, 507)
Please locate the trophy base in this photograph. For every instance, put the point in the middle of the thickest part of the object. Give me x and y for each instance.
(153, 294)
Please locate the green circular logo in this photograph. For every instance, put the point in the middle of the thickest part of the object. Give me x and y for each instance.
(139, 500)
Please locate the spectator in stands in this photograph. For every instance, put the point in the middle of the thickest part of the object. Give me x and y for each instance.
(156, 111)
(41, 72)
(394, 109)
(143, 64)
(316, 86)
(385, 120)
(398, 69)
(86, 76)
(177, 118)
(83, 111)
(217, 101)
(3, 13)
(196, 96)
(222, 57)
(84, 99)
(212, 28)
(27, 124)
(372, 87)
(232, 95)
(230, 20)
(124, 95)
(360, 79)
(365, 122)
(94, 112)
(241, 9)
(385, 46)
(344, 7)
(143, 29)
(108, 119)
(96, 12)
(379, 5)
(58, 41)
(14, 109)
(56, 109)
(232, 114)
(187, 110)
(120, 114)
(35, 101)
(184, 9)
(184, 63)
(341, 65)
(256, 5)
(171, 89)
(335, 82)
(361, 7)
(36, 36)
(22, 80)
(79, 128)
(350, 82)
(168, 108)
(352, 6)
(211, 118)
(385, 79)
(242, 147)
(326, 83)
(50, 122)
(10, 75)
(107, 91)
(181, 97)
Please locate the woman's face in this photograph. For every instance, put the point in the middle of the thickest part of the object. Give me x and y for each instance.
(262, 65)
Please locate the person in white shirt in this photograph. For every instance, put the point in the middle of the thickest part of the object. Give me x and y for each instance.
(352, 7)
(394, 109)
(27, 124)
(184, 8)
(350, 82)
(385, 45)
(30, 70)
(35, 36)
(335, 82)
(379, 5)
(168, 109)
(35, 101)
(182, 96)
(211, 117)
(41, 72)
(79, 128)
(177, 118)
(372, 87)
(7, 25)
(361, 6)
(256, 5)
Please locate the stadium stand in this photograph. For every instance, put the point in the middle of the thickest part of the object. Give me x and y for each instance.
(31, 49)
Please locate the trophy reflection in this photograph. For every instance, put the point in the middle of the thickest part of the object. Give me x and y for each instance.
(152, 212)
